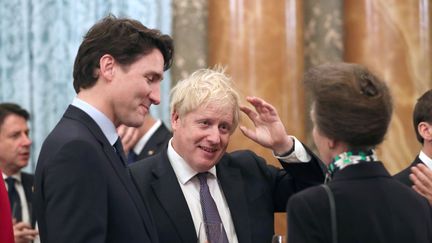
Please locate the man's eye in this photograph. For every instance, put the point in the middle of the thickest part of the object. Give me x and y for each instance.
(224, 128)
(150, 79)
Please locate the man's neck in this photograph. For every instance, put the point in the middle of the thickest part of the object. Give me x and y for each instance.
(8, 172)
(427, 148)
(96, 99)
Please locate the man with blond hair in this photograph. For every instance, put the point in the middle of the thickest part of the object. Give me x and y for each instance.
(193, 181)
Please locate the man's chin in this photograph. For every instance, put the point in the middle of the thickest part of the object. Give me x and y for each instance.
(136, 122)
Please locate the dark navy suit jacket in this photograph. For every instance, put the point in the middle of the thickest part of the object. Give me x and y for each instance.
(83, 192)
(403, 176)
(156, 142)
(253, 191)
(371, 206)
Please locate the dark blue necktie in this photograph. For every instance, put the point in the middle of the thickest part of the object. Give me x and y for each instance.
(210, 211)
(118, 148)
(132, 157)
(14, 199)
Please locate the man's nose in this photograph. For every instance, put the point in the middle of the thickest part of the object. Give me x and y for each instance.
(214, 135)
(155, 94)
(26, 141)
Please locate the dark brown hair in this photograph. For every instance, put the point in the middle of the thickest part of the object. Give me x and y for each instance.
(422, 112)
(7, 109)
(350, 103)
(124, 39)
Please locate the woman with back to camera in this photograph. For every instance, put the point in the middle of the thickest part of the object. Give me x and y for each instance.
(351, 111)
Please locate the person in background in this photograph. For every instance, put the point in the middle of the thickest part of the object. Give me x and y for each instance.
(419, 174)
(15, 147)
(83, 192)
(351, 111)
(144, 141)
(194, 181)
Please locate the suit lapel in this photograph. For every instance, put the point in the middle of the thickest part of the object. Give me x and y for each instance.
(117, 165)
(27, 182)
(167, 189)
(416, 161)
(232, 185)
(156, 142)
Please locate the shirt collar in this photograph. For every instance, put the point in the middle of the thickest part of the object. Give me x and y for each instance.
(16, 176)
(425, 159)
(106, 125)
(181, 168)
(144, 139)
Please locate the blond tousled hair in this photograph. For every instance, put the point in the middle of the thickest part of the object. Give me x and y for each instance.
(204, 87)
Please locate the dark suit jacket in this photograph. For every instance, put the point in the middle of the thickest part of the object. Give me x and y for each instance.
(403, 176)
(156, 142)
(370, 206)
(83, 192)
(253, 190)
(27, 182)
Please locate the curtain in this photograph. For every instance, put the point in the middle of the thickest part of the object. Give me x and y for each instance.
(38, 43)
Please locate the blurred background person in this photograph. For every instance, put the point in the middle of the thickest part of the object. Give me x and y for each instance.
(15, 147)
(351, 111)
(144, 141)
(418, 170)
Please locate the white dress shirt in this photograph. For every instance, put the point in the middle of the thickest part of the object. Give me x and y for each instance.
(25, 212)
(191, 187)
(425, 159)
(298, 155)
(144, 139)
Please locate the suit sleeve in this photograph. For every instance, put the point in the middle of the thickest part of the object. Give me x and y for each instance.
(75, 192)
(306, 174)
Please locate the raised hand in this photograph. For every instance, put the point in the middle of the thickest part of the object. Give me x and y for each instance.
(269, 129)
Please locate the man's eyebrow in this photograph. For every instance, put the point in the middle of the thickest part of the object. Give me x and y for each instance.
(155, 74)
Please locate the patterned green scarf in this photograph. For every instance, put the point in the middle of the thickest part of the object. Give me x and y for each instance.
(351, 158)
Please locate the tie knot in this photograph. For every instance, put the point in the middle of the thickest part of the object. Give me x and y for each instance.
(10, 181)
(202, 177)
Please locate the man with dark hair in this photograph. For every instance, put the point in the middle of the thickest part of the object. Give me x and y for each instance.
(14, 155)
(422, 164)
(83, 192)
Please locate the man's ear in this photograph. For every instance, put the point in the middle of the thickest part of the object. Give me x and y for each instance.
(425, 130)
(331, 143)
(106, 67)
(175, 119)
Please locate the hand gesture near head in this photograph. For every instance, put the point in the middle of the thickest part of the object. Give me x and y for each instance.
(269, 129)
